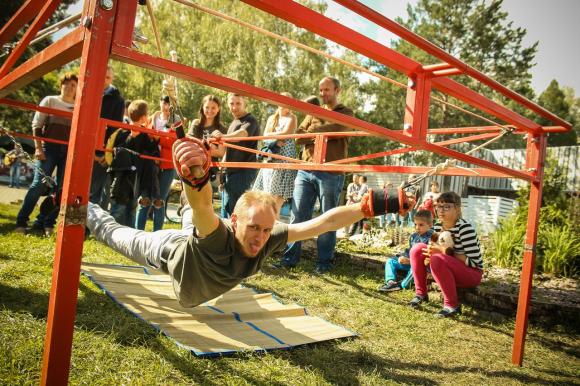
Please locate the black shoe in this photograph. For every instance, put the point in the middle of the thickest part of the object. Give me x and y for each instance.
(390, 287)
(447, 312)
(281, 265)
(418, 300)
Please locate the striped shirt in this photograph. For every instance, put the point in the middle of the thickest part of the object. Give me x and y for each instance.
(466, 242)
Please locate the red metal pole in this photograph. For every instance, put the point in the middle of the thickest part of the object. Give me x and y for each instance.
(165, 66)
(416, 121)
(427, 46)
(66, 49)
(535, 157)
(125, 23)
(20, 18)
(32, 107)
(483, 103)
(46, 11)
(71, 229)
(304, 17)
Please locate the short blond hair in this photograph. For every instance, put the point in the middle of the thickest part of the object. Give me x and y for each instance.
(252, 197)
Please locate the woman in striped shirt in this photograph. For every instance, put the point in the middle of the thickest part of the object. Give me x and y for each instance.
(464, 269)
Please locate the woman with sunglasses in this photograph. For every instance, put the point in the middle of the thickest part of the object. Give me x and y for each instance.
(464, 269)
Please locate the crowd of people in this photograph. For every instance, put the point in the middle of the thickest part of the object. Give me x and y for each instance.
(212, 253)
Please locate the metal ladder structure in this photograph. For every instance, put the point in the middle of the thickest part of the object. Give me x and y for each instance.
(105, 33)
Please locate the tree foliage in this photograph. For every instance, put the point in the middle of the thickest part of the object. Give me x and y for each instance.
(227, 49)
(554, 99)
(474, 31)
(558, 246)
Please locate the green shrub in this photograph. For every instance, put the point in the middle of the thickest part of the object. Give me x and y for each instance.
(558, 247)
(558, 250)
(506, 245)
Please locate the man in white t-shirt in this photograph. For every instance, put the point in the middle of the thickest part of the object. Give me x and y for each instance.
(50, 154)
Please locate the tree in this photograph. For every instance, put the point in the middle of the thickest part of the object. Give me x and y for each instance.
(477, 32)
(554, 99)
(233, 51)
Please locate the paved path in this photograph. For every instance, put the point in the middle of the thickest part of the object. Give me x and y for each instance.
(11, 195)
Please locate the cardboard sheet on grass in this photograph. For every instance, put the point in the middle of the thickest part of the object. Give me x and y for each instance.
(239, 320)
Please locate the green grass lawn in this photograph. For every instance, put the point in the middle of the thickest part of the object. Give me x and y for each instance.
(396, 345)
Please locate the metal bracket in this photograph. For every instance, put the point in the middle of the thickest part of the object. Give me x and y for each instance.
(530, 247)
(87, 22)
(75, 214)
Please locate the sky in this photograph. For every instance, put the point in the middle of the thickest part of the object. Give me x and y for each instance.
(554, 23)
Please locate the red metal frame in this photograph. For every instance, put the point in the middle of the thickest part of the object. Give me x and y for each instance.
(47, 10)
(20, 18)
(109, 35)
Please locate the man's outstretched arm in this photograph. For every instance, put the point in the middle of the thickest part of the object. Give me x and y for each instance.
(332, 220)
(190, 156)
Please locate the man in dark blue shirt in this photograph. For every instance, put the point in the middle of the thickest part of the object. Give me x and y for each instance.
(238, 180)
(112, 107)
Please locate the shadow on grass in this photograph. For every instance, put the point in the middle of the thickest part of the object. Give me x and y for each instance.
(344, 367)
(97, 313)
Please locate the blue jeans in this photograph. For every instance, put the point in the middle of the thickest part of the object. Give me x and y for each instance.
(236, 184)
(223, 213)
(166, 176)
(309, 186)
(124, 214)
(55, 159)
(386, 219)
(100, 186)
(15, 174)
(392, 266)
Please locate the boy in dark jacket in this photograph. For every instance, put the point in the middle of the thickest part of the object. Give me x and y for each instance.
(125, 164)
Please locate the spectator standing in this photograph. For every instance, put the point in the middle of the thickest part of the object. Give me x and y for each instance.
(279, 182)
(351, 193)
(49, 156)
(209, 121)
(312, 185)
(15, 157)
(238, 180)
(386, 219)
(113, 108)
(430, 198)
(362, 190)
(163, 172)
(126, 164)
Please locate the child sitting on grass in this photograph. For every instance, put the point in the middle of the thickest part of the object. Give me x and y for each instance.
(423, 222)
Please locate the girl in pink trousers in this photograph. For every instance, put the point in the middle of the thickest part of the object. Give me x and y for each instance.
(464, 268)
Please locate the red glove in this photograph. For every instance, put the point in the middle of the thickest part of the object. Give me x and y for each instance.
(196, 174)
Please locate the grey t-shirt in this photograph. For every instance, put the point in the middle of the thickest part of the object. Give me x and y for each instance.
(204, 268)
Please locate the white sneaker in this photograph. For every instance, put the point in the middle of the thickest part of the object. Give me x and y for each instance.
(48, 231)
(21, 230)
